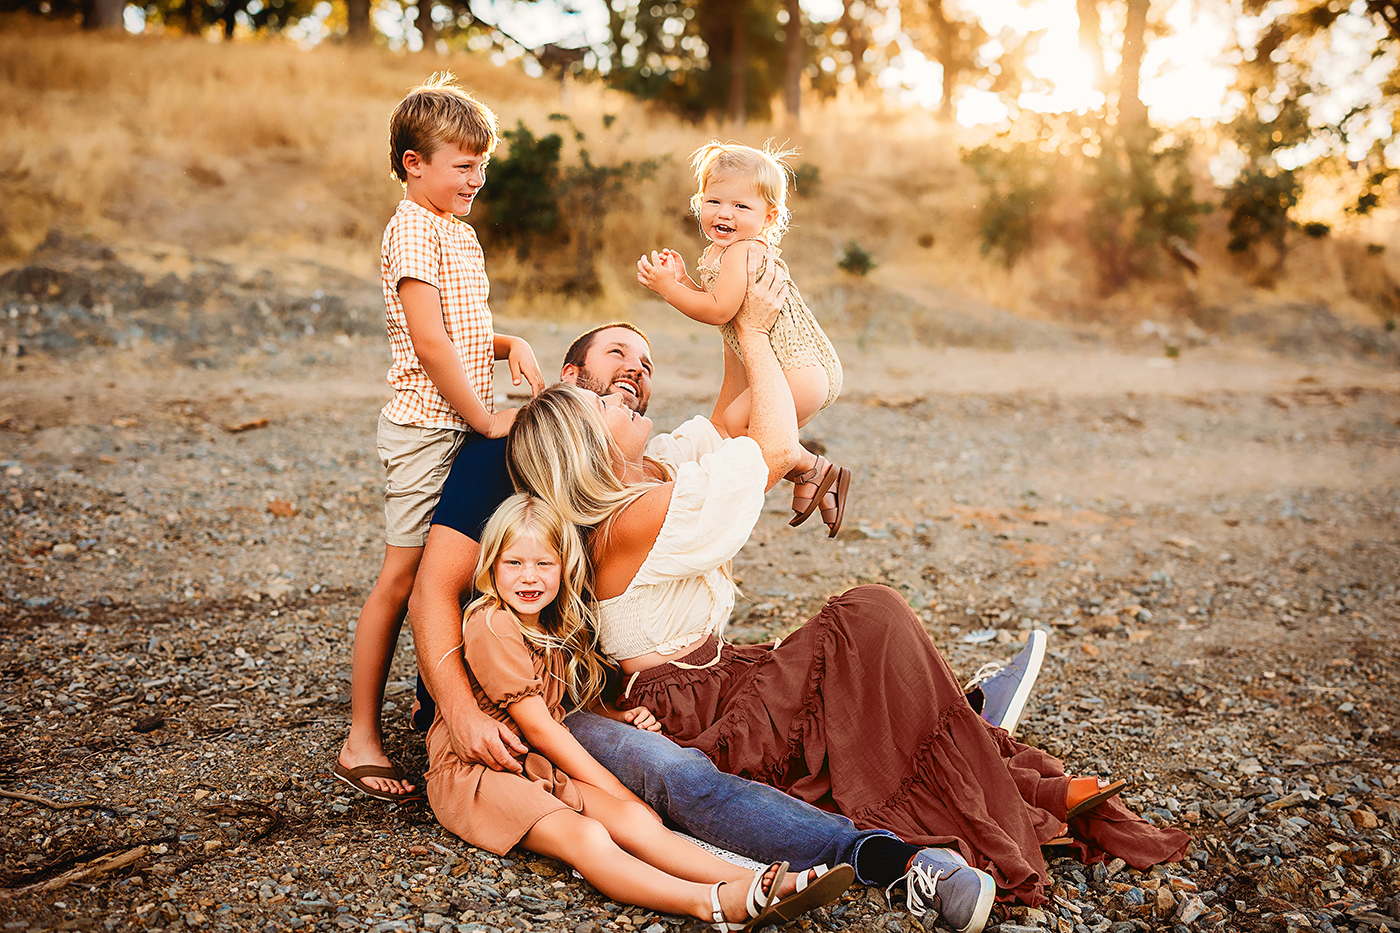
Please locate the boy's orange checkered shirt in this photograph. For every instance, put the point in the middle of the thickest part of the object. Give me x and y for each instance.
(418, 244)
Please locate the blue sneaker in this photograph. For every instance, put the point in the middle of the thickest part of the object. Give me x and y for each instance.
(940, 880)
(1006, 687)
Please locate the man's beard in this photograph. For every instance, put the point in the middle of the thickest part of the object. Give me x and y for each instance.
(587, 380)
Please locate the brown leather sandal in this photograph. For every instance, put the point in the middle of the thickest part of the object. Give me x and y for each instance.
(1085, 793)
(823, 475)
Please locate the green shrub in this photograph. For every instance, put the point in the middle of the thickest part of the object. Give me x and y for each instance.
(856, 260)
(1259, 202)
(1142, 195)
(1018, 179)
(1139, 188)
(806, 180)
(1316, 229)
(524, 189)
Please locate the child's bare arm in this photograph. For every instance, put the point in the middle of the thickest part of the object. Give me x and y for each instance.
(715, 307)
(422, 308)
(556, 743)
(521, 359)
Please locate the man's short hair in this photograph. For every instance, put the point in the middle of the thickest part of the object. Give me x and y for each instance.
(435, 114)
(580, 347)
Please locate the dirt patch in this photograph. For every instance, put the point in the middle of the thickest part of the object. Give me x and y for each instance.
(1210, 542)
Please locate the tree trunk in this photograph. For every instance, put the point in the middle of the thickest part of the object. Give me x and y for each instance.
(357, 21)
(792, 76)
(1131, 113)
(424, 24)
(739, 65)
(194, 17)
(1091, 39)
(855, 42)
(946, 31)
(103, 14)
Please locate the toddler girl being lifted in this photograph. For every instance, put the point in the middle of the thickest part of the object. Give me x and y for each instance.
(742, 199)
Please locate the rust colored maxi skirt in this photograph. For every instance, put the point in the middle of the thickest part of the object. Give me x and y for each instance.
(857, 712)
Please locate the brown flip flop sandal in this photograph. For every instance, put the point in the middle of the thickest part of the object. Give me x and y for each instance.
(1075, 801)
(829, 885)
(355, 778)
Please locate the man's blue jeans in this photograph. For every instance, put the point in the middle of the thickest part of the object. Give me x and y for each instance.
(686, 788)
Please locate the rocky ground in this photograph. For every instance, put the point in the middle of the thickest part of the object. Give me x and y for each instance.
(188, 531)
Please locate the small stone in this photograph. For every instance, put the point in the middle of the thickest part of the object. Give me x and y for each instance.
(64, 551)
(1165, 900)
(1189, 909)
(1365, 819)
(432, 921)
(200, 793)
(1115, 866)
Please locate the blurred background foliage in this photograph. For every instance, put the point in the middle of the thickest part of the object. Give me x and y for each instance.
(1102, 194)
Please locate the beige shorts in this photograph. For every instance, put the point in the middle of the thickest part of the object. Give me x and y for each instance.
(417, 461)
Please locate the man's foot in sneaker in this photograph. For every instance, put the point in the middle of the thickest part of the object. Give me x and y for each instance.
(940, 880)
(1004, 689)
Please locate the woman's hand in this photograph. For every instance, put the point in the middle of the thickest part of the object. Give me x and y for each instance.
(642, 718)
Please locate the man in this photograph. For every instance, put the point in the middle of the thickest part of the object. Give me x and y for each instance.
(752, 819)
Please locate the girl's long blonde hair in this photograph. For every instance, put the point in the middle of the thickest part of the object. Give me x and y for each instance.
(566, 624)
(560, 450)
(765, 168)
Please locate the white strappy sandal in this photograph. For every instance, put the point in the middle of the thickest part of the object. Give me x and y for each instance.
(757, 902)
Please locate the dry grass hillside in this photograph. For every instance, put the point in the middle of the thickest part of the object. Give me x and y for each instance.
(257, 153)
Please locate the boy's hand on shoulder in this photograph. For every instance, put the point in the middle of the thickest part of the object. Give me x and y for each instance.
(521, 360)
(499, 425)
(642, 718)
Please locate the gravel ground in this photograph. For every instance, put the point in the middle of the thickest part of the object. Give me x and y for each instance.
(1211, 543)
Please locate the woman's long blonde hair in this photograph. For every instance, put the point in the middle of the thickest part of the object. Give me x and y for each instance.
(566, 624)
(560, 450)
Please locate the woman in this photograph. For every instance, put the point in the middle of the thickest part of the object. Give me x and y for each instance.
(856, 711)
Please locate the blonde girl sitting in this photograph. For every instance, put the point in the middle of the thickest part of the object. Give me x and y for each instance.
(742, 199)
(528, 641)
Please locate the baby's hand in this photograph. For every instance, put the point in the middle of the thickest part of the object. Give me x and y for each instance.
(670, 259)
(642, 718)
(652, 272)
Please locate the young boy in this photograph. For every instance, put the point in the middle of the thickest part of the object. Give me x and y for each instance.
(443, 347)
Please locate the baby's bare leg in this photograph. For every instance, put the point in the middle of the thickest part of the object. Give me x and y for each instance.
(809, 386)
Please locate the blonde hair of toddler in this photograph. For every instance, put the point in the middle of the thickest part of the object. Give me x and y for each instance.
(766, 169)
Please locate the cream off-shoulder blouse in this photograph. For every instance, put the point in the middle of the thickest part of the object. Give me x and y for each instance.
(682, 589)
